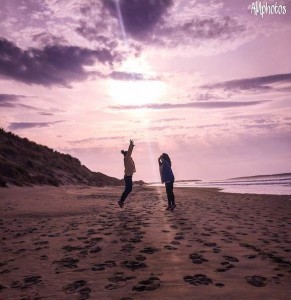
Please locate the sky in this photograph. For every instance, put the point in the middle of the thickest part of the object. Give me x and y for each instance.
(207, 82)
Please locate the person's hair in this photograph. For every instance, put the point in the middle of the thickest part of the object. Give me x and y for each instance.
(166, 157)
(123, 152)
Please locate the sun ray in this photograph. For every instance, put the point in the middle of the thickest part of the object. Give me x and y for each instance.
(148, 91)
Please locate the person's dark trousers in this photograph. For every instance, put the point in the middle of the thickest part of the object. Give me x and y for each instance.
(128, 187)
(170, 194)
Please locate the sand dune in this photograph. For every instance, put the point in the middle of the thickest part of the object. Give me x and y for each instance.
(76, 243)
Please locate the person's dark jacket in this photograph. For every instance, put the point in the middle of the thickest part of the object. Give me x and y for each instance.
(166, 171)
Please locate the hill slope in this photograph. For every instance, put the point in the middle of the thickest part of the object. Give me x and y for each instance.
(23, 162)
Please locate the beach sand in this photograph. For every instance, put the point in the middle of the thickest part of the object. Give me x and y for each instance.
(76, 243)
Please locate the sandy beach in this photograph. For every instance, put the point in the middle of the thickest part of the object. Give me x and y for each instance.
(76, 243)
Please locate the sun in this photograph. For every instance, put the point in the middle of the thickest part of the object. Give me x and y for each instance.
(137, 91)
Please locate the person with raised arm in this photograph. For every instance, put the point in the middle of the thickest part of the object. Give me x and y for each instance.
(168, 178)
(129, 169)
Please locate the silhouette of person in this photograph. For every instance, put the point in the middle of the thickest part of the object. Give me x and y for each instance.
(168, 178)
(129, 169)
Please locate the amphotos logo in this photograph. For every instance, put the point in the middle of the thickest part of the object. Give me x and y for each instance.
(260, 9)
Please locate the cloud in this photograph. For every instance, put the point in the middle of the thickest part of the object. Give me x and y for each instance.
(165, 23)
(45, 39)
(167, 120)
(139, 17)
(197, 30)
(126, 76)
(261, 126)
(98, 24)
(46, 114)
(9, 100)
(206, 97)
(88, 140)
(210, 126)
(206, 105)
(52, 65)
(251, 84)
(117, 75)
(25, 125)
(135, 25)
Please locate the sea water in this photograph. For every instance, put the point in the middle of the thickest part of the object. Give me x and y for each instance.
(270, 184)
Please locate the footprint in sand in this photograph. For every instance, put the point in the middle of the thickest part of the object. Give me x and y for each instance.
(150, 284)
(140, 258)
(168, 247)
(95, 249)
(250, 256)
(27, 282)
(102, 266)
(150, 250)
(69, 248)
(78, 286)
(175, 243)
(127, 248)
(209, 244)
(197, 258)
(198, 279)
(111, 286)
(227, 266)
(216, 250)
(257, 281)
(120, 277)
(133, 265)
(67, 262)
(230, 258)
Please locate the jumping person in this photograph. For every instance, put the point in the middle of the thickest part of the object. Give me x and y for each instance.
(129, 169)
(168, 178)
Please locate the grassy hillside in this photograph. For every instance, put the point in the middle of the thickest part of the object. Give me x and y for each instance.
(23, 162)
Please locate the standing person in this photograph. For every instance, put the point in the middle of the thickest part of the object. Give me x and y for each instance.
(168, 178)
(129, 169)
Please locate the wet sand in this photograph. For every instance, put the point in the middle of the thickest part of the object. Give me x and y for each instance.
(76, 243)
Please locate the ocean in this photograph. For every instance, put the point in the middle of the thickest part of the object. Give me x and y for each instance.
(266, 184)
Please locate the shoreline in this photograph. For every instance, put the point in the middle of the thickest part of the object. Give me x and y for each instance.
(218, 189)
(76, 243)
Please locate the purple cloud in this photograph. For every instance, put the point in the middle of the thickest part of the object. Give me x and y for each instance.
(158, 23)
(9, 100)
(46, 114)
(196, 30)
(87, 140)
(261, 126)
(139, 17)
(25, 125)
(126, 76)
(45, 39)
(130, 76)
(52, 65)
(168, 120)
(206, 97)
(206, 105)
(254, 83)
